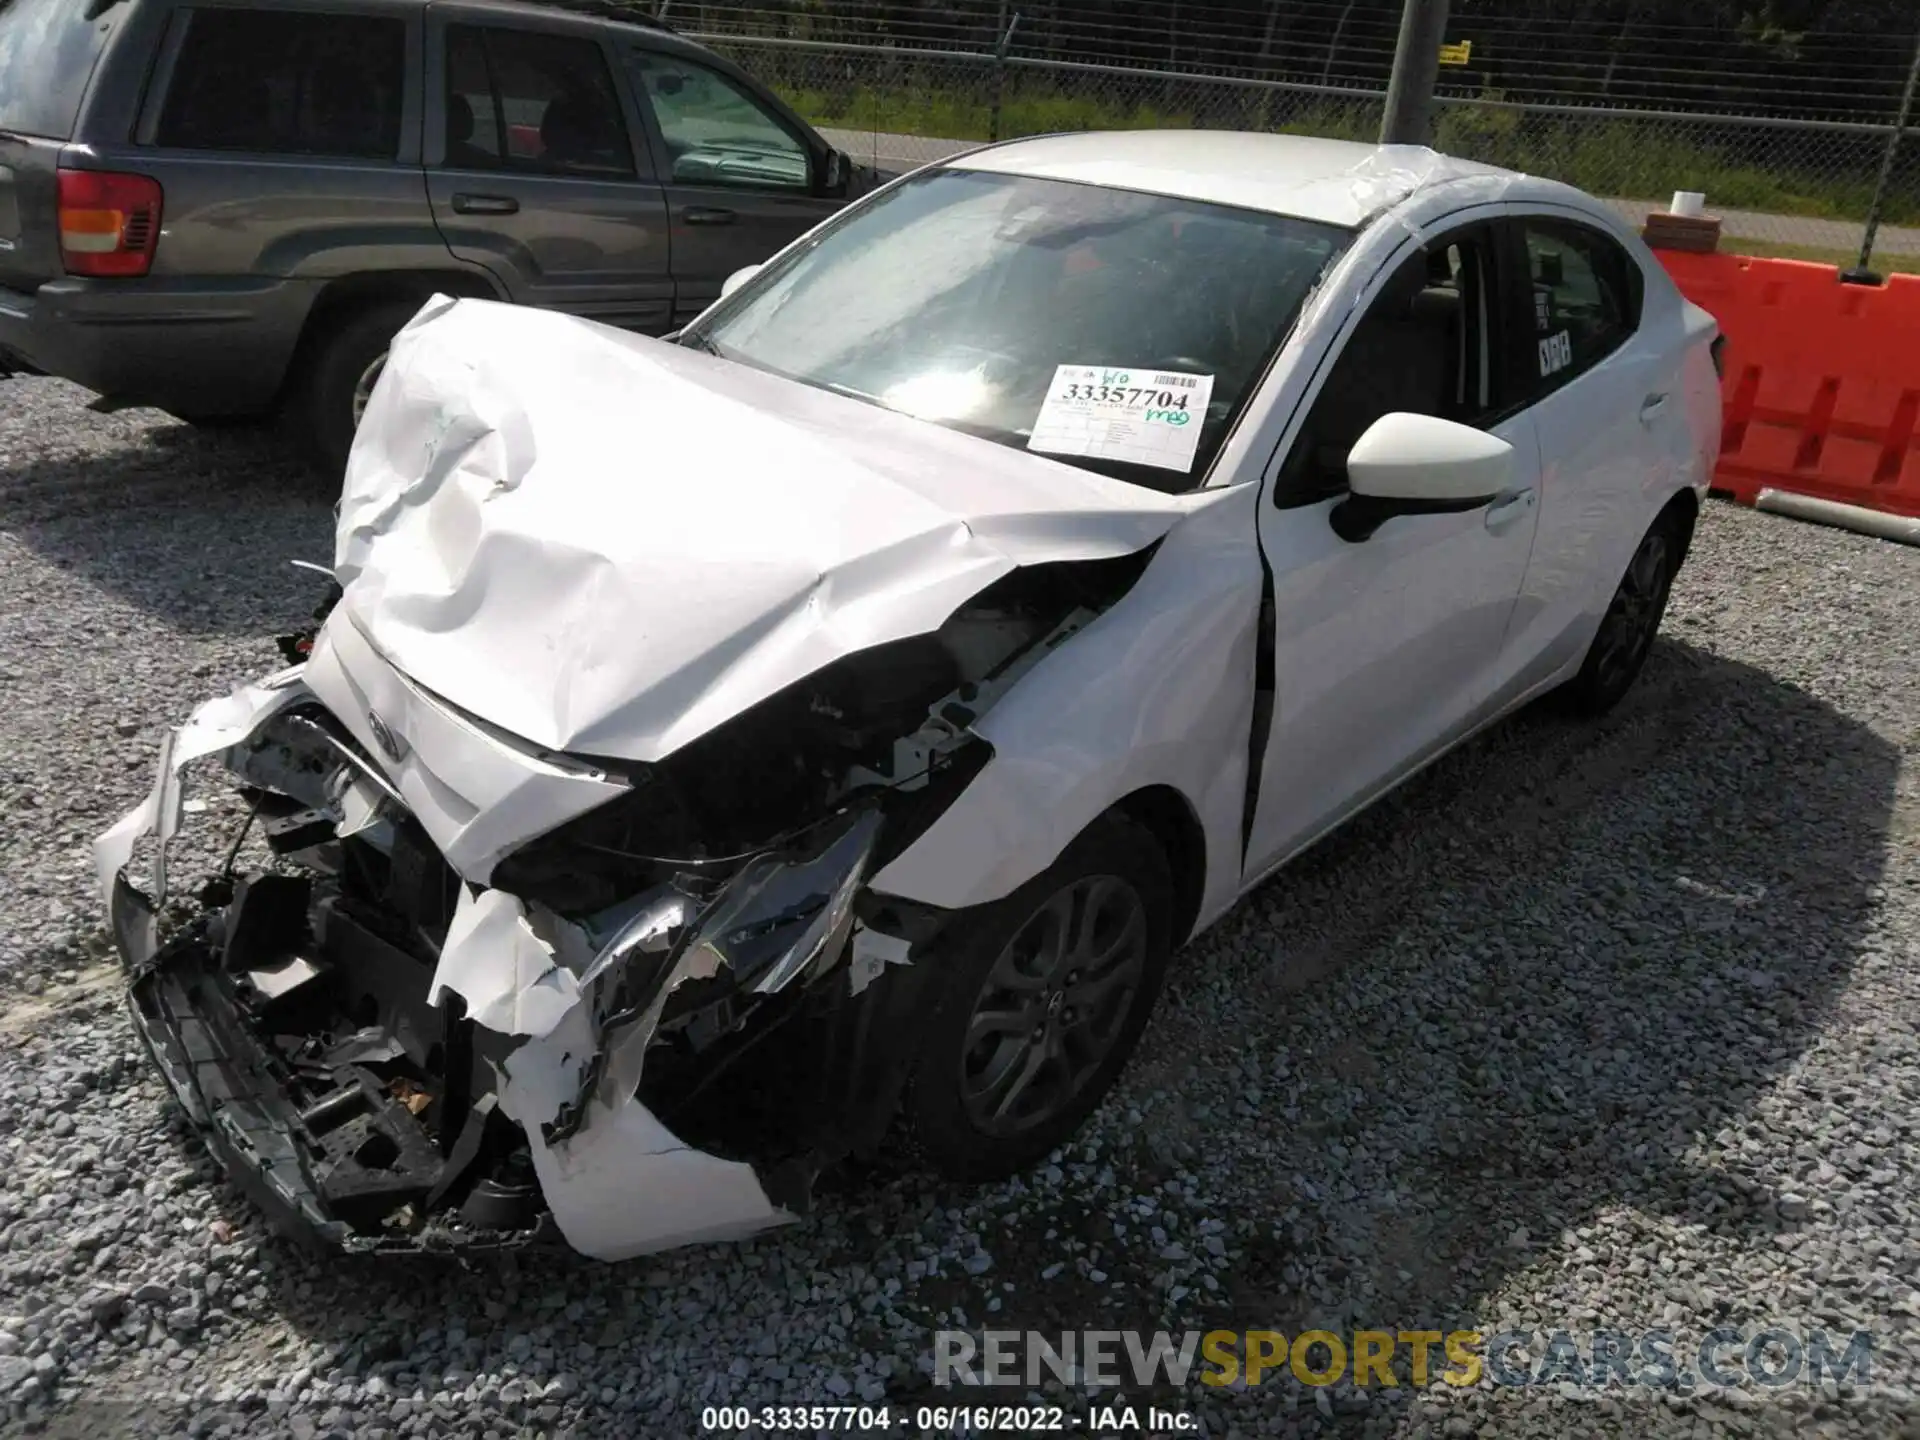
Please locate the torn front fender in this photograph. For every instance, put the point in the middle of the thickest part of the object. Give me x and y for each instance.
(617, 1181)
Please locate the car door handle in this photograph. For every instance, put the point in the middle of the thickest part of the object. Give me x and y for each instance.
(1508, 508)
(485, 205)
(1652, 405)
(708, 215)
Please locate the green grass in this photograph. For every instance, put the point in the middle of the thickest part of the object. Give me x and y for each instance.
(1614, 158)
(951, 116)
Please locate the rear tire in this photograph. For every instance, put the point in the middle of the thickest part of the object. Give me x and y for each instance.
(1620, 646)
(1041, 1000)
(342, 373)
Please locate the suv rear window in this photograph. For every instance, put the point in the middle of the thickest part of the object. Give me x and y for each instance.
(47, 52)
(282, 82)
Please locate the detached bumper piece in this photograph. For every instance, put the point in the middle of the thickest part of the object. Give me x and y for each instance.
(331, 1138)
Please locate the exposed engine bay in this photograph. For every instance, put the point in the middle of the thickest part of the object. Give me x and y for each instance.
(683, 1002)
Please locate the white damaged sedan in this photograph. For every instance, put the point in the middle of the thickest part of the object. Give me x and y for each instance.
(723, 750)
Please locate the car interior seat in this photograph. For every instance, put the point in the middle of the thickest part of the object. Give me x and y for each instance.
(1403, 356)
(574, 133)
(1439, 308)
(460, 127)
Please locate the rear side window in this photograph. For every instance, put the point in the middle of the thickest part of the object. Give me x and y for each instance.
(47, 52)
(541, 103)
(1584, 298)
(281, 82)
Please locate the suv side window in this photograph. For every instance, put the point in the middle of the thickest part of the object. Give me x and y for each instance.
(284, 82)
(544, 104)
(1425, 346)
(1584, 299)
(715, 131)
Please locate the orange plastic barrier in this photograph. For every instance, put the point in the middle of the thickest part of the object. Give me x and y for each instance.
(1822, 380)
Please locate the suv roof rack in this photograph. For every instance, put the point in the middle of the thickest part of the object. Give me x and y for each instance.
(630, 12)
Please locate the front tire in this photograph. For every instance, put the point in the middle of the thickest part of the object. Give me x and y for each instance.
(1042, 999)
(1620, 646)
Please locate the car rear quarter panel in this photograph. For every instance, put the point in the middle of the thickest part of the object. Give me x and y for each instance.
(1156, 692)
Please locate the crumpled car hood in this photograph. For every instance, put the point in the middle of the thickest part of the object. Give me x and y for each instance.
(606, 544)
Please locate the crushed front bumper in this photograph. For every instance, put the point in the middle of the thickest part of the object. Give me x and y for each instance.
(232, 1087)
(521, 1081)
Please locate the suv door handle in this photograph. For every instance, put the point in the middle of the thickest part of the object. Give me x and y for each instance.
(485, 205)
(1651, 406)
(708, 215)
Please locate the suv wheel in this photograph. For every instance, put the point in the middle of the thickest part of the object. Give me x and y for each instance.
(1043, 997)
(343, 374)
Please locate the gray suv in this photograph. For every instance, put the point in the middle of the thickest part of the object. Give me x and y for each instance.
(227, 208)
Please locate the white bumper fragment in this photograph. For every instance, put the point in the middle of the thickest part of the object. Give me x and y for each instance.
(626, 1185)
(216, 726)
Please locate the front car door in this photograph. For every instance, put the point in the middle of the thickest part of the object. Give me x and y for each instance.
(742, 178)
(536, 168)
(1605, 394)
(1384, 650)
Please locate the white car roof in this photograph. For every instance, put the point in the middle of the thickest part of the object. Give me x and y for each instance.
(1339, 182)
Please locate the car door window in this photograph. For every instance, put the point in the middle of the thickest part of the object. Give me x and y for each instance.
(716, 131)
(288, 83)
(1584, 300)
(543, 104)
(1422, 347)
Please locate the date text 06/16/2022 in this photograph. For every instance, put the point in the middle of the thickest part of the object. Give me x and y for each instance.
(1111, 1418)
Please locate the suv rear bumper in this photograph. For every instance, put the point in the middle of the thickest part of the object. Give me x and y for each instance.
(191, 346)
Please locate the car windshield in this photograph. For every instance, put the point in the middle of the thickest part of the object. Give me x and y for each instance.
(1115, 330)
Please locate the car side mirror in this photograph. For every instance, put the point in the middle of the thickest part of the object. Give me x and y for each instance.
(835, 173)
(1410, 464)
(738, 278)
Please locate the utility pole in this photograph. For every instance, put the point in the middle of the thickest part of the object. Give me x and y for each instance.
(1872, 232)
(1416, 67)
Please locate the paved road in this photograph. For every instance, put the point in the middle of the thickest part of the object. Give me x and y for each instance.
(903, 151)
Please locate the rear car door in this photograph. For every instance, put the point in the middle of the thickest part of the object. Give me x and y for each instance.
(1604, 394)
(537, 170)
(742, 177)
(262, 119)
(1384, 650)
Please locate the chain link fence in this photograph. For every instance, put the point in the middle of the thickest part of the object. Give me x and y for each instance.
(1782, 186)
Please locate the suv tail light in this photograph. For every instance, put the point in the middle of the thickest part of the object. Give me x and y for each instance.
(109, 223)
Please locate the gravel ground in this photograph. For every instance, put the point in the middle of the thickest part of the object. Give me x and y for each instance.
(1608, 1026)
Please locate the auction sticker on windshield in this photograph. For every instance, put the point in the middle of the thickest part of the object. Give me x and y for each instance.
(1103, 412)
